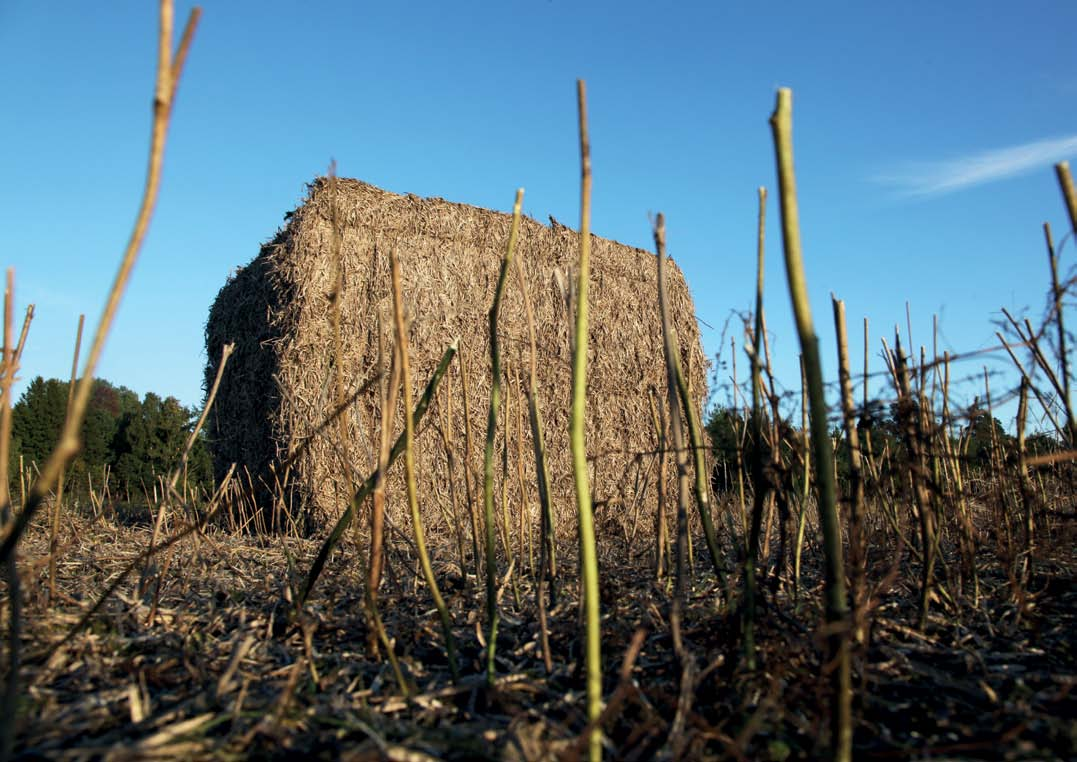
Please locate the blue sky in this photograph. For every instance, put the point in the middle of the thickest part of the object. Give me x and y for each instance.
(924, 133)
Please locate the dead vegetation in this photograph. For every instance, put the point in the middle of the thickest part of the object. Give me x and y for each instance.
(211, 628)
(227, 668)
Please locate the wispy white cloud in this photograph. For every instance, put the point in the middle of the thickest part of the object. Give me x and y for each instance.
(937, 178)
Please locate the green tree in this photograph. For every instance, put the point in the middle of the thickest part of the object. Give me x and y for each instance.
(1043, 443)
(149, 441)
(723, 427)
(139, 440)
(37, 418)
(979, 436)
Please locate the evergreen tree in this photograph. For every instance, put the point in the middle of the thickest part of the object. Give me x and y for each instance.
(149, 441)
(37, 418)
(980, 439)
(139, 440)
(723, 427)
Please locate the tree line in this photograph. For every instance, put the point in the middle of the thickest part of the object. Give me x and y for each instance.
(130, 441)
(981, 438)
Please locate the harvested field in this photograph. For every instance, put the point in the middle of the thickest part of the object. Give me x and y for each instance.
(225, 670)
(894, 579)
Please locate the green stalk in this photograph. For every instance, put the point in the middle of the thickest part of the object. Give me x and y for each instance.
(473, 514)
(409, 470)
(695, 439)
(740, 456)
(492, 615)
(695, 428)
(781, 123)
(661, 538)
(367, 487)
(542, 476)
(760, 485)
(670, 351)
(805, 491)
(588, 552)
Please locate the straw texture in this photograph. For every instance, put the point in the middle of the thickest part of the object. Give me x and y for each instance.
(274, 409)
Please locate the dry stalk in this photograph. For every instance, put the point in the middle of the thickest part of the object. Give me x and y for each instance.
(760, 482)
(912, 431)
(469, 491)
(11, 571)
(409, 469)
(492, 614)
(1057, 292)
(680, 450)
(169, 68)
(367, 486)
(1028, 494)
(54, 528)
(453, 519)
(661, 533)
(548, 548)
(857, 541)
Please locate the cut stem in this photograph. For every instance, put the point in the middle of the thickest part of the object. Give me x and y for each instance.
(409, 469)
(492, 614)
(588, 553)
(781, 123)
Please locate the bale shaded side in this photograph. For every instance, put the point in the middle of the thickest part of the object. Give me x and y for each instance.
(279, 389)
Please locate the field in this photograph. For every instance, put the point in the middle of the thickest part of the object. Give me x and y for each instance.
(227, 669)
(890, 577)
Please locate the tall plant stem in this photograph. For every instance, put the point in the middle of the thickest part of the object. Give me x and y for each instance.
(367, 486)
(661, 531)
(740, 435)
(671, 351)
(525, 548)
(548, 558)
(760, 485)
(1028, 495)
(336, 297)
(492, 615)
(1057, 292)
(54, 530)
(1069, 195)
(805, 489)
(388, 387)
(912, 432)
(588, 552)
(10, 697)
(447, 423)
(781, 123)
(702, 490)
(469, 490)
(857, 546)
(409, 468)
(691, 414)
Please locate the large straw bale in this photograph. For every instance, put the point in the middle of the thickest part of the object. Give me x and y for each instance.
(278, 391)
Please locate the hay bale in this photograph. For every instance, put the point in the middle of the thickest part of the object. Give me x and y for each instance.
(278, 391)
